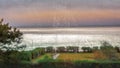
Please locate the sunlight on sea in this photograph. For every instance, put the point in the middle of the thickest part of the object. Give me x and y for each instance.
(43, 37)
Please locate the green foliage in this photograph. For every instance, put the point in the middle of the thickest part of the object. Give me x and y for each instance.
(46, 59)
(10, 43)
(37, 52)
(50, 49)
(25, 55)
(10, 57)
(72, 49)
(87, 49)
(9, 37)
(61, 49)
(109, 51)
(117, 49)
(95, 48)
(78, 64)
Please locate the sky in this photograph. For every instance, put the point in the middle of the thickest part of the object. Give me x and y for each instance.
(60, 13)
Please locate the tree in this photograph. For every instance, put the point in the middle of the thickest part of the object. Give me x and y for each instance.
(10, 40)
(117, 49)
(72, 49)
(86, 49)
(61, 49)
(9, 37)
(50, 49)
(95, 48)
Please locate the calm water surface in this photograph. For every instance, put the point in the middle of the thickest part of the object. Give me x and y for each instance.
(85, 36)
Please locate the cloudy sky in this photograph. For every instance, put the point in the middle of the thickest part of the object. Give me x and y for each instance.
(54, 13)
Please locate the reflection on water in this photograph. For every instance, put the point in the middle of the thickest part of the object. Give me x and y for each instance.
(70, 37)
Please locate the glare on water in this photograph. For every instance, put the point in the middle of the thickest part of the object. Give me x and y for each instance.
(75, 38)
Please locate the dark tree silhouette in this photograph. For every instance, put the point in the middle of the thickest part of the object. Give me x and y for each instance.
(10, 42)
(9, 37)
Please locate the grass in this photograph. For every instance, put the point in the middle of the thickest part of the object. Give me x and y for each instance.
(76, 56)
(82, 57)
(36, 60)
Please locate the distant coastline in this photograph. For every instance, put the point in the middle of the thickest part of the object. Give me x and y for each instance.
(76, 30)
(95, 26)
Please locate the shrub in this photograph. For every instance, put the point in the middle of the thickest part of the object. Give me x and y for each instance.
(37, 52)
(109, 51)
(25, 56)
(98, 55)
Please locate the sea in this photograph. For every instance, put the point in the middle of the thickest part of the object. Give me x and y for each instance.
(80, 36)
